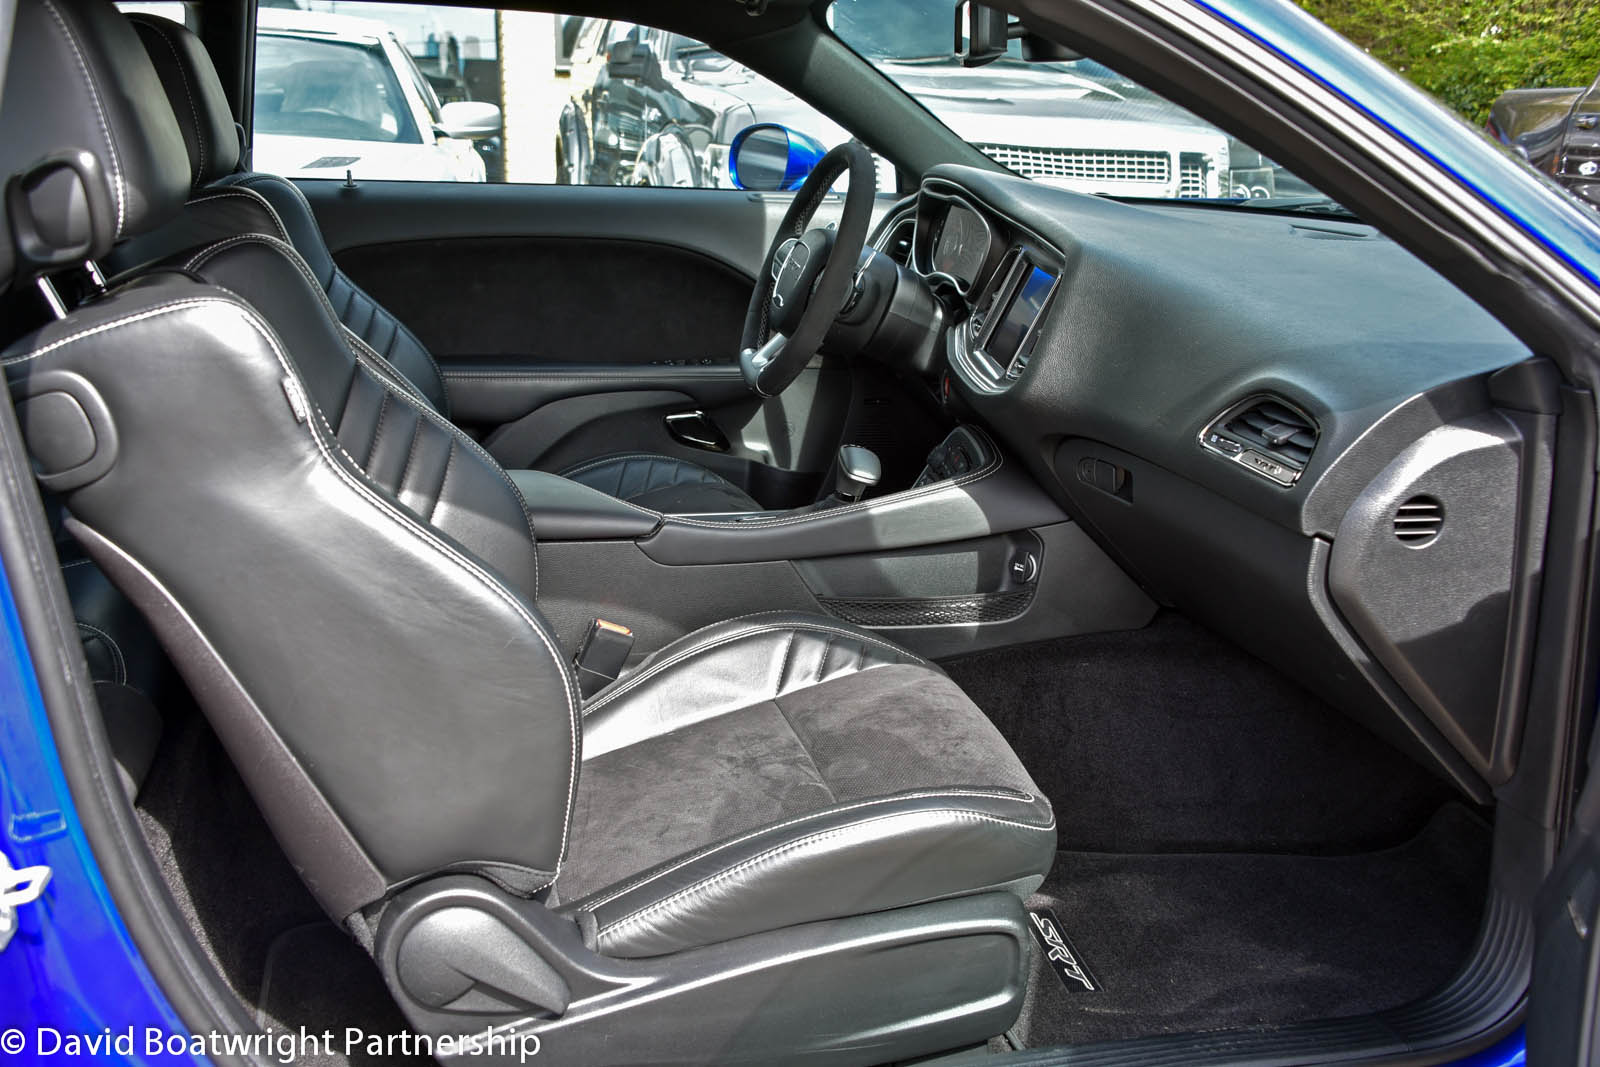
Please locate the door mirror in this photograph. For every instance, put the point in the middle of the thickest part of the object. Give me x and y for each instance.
(771, 158)
(470, 120)
(628, 59)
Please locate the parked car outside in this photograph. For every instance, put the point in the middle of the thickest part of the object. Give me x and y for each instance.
(649, 107)
(1557, 130)
(336, 94)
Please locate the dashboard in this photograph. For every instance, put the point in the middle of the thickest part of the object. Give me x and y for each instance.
(1000, 277)
(1286, 426)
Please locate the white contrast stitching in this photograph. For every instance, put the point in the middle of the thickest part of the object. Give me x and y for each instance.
(298, 262)
(183, 75)
(791, 846)
(148, 313)
(845, 509)
(401, 382)
(99, 111)
(248, 194)
(630, 683)
(116, 651)
(591, 905)
(398, 515)
(583, 468)
(411, 525)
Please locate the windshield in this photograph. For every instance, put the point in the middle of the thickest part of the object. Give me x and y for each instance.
(1075, 124)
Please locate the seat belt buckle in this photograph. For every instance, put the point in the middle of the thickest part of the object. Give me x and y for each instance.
(602, 655)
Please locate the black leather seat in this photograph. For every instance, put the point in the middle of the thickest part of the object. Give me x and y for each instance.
(773, 819)
(659, 482)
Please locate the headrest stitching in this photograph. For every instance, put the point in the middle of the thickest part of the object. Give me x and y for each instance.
(183, 74)
(100, 114)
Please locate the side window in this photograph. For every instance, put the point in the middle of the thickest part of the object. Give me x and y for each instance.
(392, 91)
(176, 10)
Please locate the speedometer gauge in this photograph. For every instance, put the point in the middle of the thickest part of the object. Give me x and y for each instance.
(963, 245)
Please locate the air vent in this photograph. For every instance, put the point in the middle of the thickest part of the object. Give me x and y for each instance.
(1270, 436)
(896, 243)
(1418, 521)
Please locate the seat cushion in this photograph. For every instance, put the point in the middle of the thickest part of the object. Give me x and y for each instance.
(662, 483)
(880, 787)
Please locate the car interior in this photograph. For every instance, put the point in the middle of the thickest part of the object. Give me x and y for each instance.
(974, 621)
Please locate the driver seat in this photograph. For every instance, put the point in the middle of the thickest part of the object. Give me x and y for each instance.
(775, 820)
(227, 201)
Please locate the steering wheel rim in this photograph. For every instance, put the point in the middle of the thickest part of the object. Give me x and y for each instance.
(770, 361)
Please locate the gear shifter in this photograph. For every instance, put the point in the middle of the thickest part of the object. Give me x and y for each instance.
(858, 471)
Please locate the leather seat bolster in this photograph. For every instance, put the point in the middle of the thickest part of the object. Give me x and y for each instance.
(360, 313)
(727, 666)
(878, 854)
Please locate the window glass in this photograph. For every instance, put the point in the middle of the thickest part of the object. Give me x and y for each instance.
(1076, 124)
(176, 10)
(410, 91)
(328, 89)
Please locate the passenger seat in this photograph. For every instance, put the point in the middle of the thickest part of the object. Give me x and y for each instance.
(659, 482)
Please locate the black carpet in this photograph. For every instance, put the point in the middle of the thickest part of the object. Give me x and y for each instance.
(270, 941)
(318, 978)
(1171, 739)
(1180, 943)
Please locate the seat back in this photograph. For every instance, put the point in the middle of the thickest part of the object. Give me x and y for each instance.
(195, 94)
(345, 580)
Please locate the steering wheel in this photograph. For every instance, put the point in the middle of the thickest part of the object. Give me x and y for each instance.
(807, 275)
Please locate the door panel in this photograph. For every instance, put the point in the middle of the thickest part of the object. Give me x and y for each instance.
(562, 300)
(533, 296)
(731, 227)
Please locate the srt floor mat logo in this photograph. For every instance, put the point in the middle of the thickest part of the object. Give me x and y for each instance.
(1059, 953)
(285, 1047)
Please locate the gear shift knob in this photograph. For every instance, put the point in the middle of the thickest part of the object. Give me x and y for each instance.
(858, 471)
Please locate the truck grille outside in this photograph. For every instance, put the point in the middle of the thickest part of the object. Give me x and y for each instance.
(1191, 176)
(1083, 164)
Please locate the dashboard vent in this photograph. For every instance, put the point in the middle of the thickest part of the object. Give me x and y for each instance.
(1270, 436)
(896, 244)
(1418, 521)
(1276, 429)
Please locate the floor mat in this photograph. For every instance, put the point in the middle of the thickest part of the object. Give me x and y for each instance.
(1172, 739)
(316, 977)
(1184, 942)
(270, 941)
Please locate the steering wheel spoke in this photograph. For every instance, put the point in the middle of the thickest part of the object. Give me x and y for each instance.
(808, 274)
(753, 362)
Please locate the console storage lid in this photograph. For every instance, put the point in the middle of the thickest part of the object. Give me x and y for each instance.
(565, 510)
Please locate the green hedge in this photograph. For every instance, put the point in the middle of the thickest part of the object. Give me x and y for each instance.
(1468, 52)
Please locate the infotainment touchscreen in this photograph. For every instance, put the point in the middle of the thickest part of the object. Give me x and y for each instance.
(1024, 308)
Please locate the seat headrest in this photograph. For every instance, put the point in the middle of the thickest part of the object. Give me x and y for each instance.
(79, 80)
(196, 95)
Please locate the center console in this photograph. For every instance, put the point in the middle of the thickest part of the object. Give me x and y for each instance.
(972, 555)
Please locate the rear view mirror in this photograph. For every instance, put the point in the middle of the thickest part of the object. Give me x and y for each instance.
(984, 33)
(470, 120)
(771, 158)
(984, 36)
